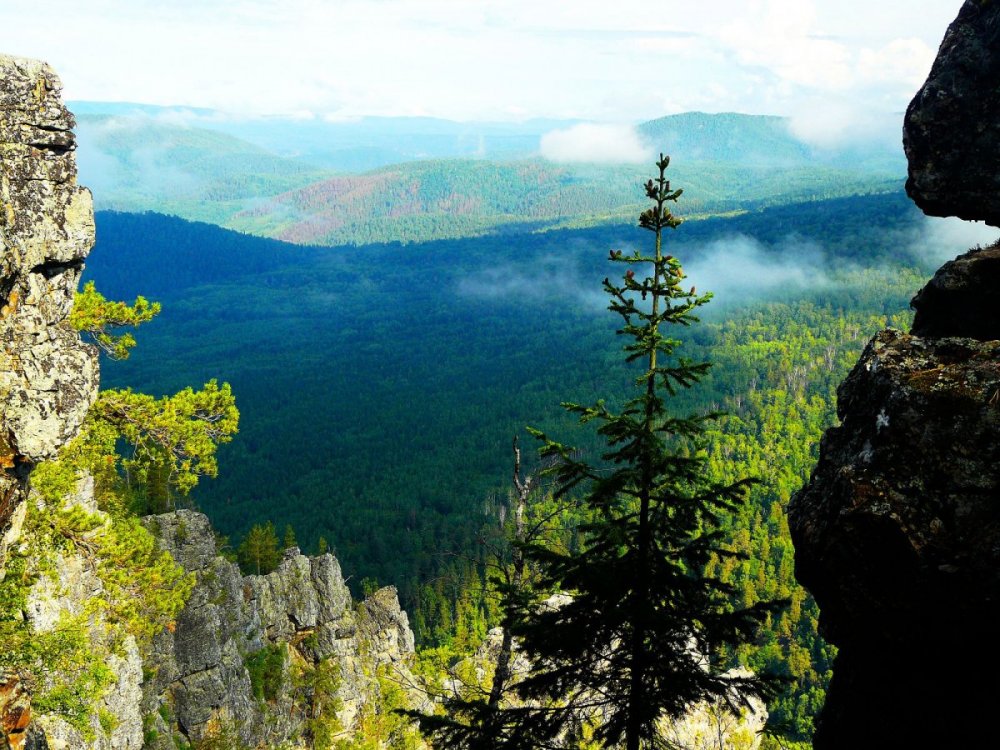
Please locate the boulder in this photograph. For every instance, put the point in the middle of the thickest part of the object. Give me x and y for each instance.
(963, 298)
(951, 132)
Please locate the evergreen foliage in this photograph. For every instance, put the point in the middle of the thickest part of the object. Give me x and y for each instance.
(266, 668)
(97, 316)
(473, 705)
(638, 639)
(140, 589)
(173, 439)
(319, 688)
(288, 539)
(258, 553)
(178, 434)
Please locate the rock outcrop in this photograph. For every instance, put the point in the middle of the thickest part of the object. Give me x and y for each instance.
(203, 679)
(963, 298)
(200, 684)
(897, 533)
(48, 377)
(952, 127)
(73, 588)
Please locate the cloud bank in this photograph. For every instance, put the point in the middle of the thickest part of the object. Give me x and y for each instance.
(502, 59)
(944, 239)
(589, 142)
(833, 123)
(737, 267)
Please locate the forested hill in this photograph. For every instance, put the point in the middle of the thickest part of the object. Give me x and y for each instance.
(164, 256)
(431, 179)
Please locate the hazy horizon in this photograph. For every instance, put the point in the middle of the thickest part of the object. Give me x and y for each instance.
(831, 67)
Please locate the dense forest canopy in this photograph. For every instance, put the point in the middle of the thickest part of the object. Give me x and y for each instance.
(366, 376)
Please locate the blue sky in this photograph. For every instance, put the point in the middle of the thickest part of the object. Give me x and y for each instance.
(833, 65)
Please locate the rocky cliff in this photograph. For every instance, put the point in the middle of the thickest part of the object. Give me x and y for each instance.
(250, 662)
(897, 533)
(48, 377)
(245, 655)
(271, 661)
(951, 129)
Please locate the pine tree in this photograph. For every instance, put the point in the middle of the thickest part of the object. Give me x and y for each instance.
(258, 552)
(639, 637)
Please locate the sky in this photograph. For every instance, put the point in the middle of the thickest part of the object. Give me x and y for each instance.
(832, 65)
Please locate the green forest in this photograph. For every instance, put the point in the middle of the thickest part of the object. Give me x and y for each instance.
(380, 386)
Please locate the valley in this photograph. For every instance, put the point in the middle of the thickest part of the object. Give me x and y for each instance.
(380, 385)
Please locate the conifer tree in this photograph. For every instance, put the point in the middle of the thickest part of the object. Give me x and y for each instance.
(288, 541)
(258, 553)
(639, 637)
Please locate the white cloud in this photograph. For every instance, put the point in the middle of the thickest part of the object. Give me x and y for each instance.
(504, 59)
(779, 35)
(738, 267)
(944, 239)
(538, 280)
(902, 61)
(832, 122)
(589, 142)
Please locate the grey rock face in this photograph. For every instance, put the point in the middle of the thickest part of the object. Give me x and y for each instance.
(48, 377)
(302, 594)
(951, 133)
(897, 535)
(199, 671)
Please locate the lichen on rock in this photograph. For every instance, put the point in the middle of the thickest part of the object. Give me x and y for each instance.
(48, 377)
(897, 535)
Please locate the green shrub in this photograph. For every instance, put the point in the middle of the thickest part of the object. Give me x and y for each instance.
(267, 671)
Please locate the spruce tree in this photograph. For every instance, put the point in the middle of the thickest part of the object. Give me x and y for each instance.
(640, 635)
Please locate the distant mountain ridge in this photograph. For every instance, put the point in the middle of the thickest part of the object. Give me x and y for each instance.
(421, 179)
(349, 144)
